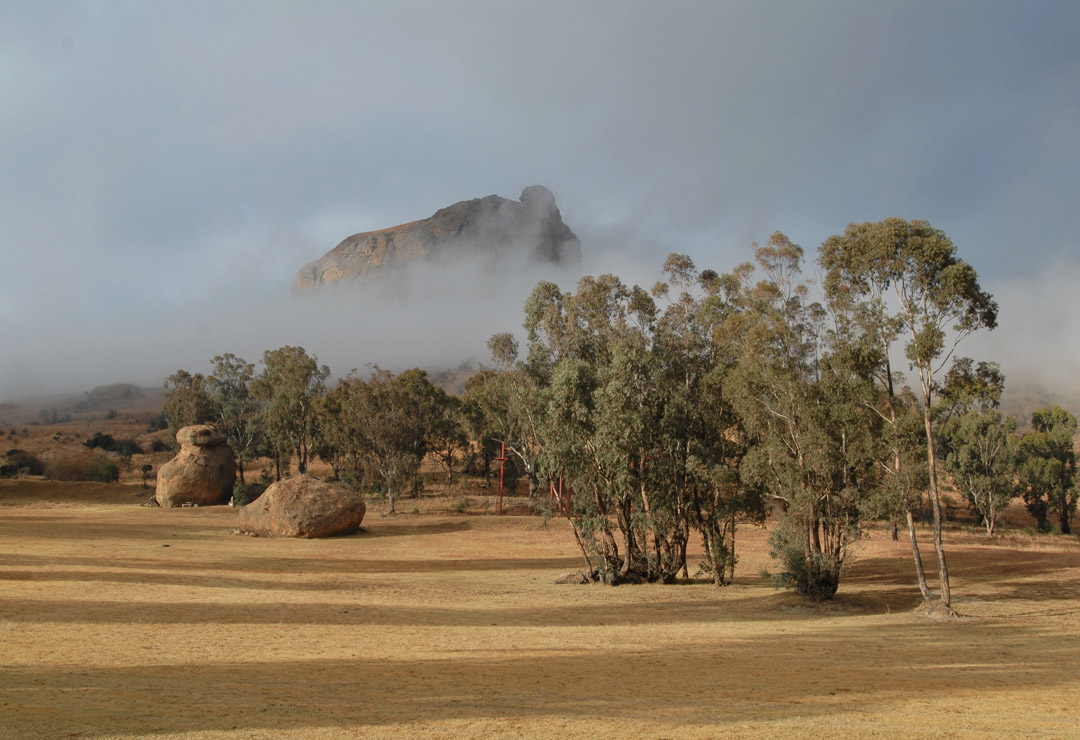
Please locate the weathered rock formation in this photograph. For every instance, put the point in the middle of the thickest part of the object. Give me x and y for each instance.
(303, 507)
(202, 473)
(491, 226)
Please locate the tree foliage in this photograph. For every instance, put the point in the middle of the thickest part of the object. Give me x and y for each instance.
(186, 401)
(289, 387)
(624, 399)
(236, 410)
(978, 443)
(1048, 475)
(806, 398)
(903, 278)
(382, 426)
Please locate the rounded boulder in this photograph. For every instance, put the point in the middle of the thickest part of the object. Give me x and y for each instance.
(304, 506)
(201, 474)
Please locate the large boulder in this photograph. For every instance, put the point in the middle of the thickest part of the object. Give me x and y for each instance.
(492, 226)
(202, 473)
(303, 507)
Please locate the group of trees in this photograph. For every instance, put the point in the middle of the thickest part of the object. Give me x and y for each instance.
(382, 427)
(991, 464)
(707, 401)
(373, 430)
(714, 399)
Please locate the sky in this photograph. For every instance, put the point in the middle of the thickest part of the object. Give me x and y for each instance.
(166, 168)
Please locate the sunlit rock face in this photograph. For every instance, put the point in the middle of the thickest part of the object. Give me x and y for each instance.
(202, 473)
(304, 507)
(494, 227)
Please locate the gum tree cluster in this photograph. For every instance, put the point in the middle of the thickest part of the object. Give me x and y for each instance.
(371, 431)
(714, 399)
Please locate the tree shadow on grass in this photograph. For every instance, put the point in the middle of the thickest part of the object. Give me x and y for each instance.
(767, 677)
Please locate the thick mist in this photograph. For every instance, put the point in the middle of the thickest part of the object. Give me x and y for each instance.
(440, 315)
(166, 168)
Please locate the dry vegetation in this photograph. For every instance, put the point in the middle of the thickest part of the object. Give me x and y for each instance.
(120, 621)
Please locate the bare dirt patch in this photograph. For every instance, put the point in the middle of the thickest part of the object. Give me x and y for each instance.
(120, 621)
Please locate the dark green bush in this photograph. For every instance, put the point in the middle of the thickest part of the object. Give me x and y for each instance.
(103, 470)
(812, 574)
(244, 494)
(23, 460)
(123, 447)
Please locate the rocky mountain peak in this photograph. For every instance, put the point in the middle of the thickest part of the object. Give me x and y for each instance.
(491, 226)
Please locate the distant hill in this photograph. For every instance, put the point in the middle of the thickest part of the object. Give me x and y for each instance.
(1023, 396)
(531, 227)
(93, 403)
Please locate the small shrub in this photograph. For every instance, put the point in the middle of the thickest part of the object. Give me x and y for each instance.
(815, 576)
(103, 470)
(123, 447)
(101, 441)
(24, 461)
(158, 446)
(77, 463)
(7, 470)
(127, 447)
(245, 493)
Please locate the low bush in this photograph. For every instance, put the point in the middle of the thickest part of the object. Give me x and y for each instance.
(23, 460)
(123, 447)
(245, 493)
(80, 463)
(103, 470)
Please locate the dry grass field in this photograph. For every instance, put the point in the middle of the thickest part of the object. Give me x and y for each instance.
(121, 621)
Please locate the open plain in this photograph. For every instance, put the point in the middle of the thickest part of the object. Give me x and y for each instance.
(121, 621)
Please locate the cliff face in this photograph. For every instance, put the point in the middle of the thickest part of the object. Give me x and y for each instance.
(531, 226)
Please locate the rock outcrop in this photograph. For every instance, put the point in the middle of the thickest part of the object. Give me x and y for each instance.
(303, 506)
(202, 473)
(493, 226)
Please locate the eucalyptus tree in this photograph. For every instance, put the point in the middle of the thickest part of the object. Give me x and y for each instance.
(804, 394)
(978, 443)
(336, 444)
(981, 457)
(289, 388)
(701, 441)
(447, 437)
(904, 279)
(382, 425)
(502, 406)
(236, 411)
(1048, 474)
(187, 401)
(591, 348)
(633, 412)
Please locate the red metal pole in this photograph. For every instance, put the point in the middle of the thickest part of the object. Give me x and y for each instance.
(502, 468)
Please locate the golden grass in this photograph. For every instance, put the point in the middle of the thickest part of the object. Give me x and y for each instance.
(119, 621)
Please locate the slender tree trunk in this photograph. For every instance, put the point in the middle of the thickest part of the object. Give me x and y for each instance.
(917, 556)
(935, 498)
